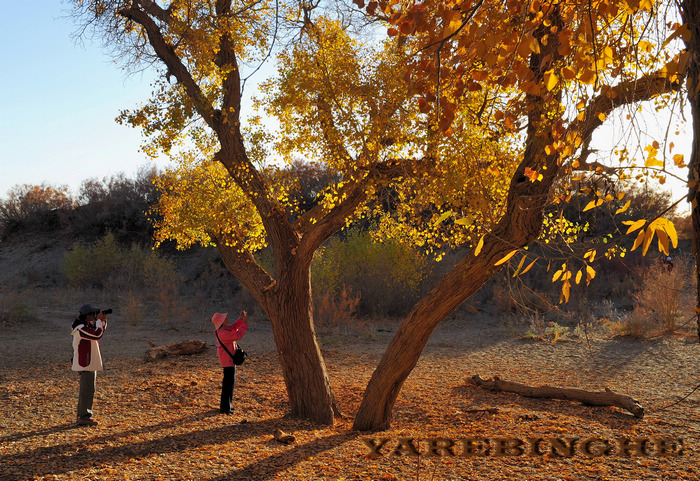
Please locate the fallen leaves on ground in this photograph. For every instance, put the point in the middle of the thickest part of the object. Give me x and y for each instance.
(160, 420)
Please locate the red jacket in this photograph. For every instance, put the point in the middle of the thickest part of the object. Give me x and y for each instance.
(228, 336)
(86, 345)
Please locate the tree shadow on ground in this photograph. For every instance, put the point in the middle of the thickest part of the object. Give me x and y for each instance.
(276, 463)
(64, 458)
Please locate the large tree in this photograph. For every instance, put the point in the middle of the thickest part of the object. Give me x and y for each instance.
(222, 191)
(469, 145)
(556, 70)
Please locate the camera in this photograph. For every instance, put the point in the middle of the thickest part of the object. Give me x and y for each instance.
(106, 311)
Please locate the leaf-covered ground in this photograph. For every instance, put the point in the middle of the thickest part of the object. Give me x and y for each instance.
(159, 420)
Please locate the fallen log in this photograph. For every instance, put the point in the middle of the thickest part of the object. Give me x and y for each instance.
(175, 349)
(603, 398)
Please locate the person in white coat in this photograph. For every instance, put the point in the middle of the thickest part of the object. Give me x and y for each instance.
(87, 330)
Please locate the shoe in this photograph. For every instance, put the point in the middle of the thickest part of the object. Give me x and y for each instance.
(87, 422)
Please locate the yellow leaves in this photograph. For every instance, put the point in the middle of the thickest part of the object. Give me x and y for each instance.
(651, 160)
(479, 246)
(550, 80)
(590, 274)
(533, 175)
(506, 258)
(634, 225)
(452, 27)
(623, 208)
(682, 32)
(563, 274)
(593, 204)
(587, 76)
(533, 44)
(665, 232)
(444, 216)
(568, 73)
(645, 46)
(520, 265)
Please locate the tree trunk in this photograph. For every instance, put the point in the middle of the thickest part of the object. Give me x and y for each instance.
(690, 10)
(603, 398)
(408, 343)
(402, 354)
(520, 225)
(303, 367)
(288, 304)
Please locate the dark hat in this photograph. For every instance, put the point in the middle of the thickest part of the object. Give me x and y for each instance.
(86, 309)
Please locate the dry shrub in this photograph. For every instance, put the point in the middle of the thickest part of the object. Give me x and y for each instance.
(638, 325)
(334, 311)
(133, 309)
(386, 275)
(664, 298)
(16, 307)
(108, 266)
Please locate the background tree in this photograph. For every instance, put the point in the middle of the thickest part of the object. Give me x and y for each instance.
(33, 207)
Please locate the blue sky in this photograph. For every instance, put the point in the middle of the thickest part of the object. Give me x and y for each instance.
(59, 101)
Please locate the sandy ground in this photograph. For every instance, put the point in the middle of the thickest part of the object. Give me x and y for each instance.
(38, 393)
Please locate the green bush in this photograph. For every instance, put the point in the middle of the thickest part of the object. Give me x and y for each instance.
(385, 275)
(136, 274)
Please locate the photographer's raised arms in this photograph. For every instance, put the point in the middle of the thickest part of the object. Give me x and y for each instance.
(226, 337)
(87, 330)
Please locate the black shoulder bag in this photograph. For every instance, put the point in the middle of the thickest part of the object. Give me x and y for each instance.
(238, 357)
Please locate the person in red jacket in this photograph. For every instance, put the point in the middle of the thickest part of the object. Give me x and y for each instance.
(227, 335)
(87, 330)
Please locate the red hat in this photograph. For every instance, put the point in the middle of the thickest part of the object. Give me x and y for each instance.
(219, 318)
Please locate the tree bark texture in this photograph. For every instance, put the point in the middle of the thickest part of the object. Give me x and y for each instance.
(690, 11)
(603, 398)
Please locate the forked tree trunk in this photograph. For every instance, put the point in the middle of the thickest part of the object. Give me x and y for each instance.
(690, 10)
(288, 304)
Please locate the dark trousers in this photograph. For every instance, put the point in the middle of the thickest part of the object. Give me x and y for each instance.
(87, 394)
(227, 385)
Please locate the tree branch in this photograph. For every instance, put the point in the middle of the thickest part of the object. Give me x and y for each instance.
(167, 54)
(631, 91)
